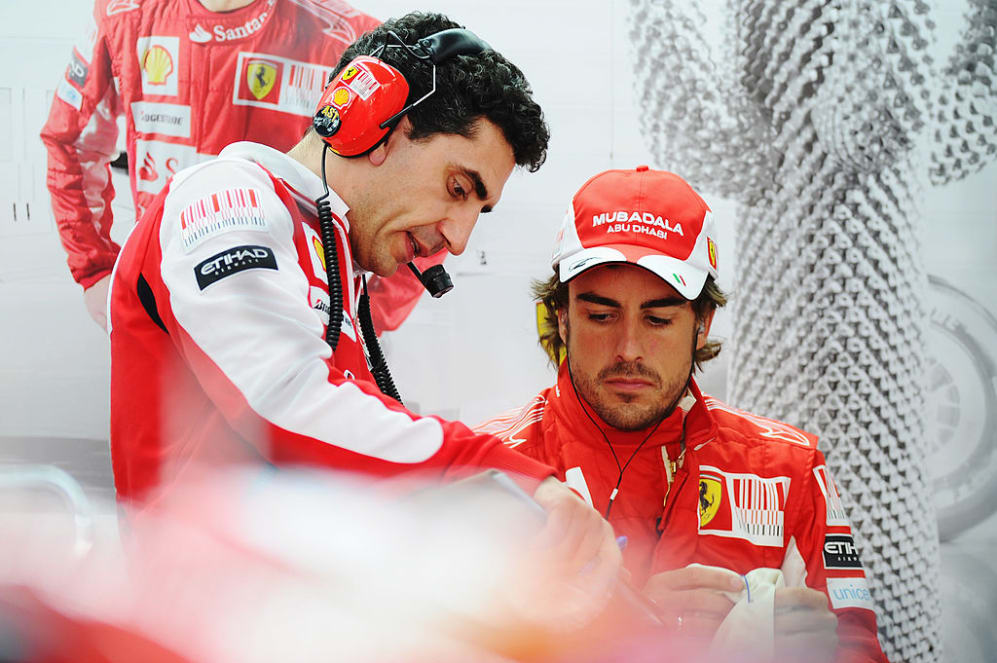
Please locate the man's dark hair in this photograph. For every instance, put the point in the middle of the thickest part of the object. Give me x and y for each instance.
(552, 295)
(468, 88)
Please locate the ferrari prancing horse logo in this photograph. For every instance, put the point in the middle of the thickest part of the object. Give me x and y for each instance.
(709, 499)
(260, 75)
(319, 251)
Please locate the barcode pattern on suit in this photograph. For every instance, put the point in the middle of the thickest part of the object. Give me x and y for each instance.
(756, 510)
(304, 84)
(220, 212)
(757, 506)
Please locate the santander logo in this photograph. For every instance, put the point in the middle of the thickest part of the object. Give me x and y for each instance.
(222, 33)
(199, 35)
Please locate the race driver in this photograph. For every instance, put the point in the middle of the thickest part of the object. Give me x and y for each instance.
(683, 477)
(220, 298)
(188, 77)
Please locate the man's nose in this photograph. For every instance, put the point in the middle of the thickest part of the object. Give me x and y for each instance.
(456, 229)
(628, 347)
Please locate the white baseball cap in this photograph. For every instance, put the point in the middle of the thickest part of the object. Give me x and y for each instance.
(649, 218)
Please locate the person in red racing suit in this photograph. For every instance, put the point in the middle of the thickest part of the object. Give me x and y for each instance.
(219, 300)
(187, 81)
(685, 478)
(218, 312)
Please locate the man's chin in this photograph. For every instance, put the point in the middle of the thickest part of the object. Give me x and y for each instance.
(383, 269)
(628, 415)
(631, 424)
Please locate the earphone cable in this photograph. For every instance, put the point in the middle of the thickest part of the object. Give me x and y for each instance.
(326, 227)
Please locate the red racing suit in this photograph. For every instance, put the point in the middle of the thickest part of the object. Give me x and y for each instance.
(746, 492)
(188, 82)
(218, 310)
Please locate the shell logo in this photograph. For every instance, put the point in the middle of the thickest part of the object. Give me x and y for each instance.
(157, 63)
(341, 96)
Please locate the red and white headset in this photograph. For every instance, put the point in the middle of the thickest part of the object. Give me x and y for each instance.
(366, 100)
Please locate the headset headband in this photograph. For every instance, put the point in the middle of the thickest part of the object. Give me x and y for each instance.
(368, 88)
(436, 48)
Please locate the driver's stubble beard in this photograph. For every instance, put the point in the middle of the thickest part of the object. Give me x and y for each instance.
(629, 412)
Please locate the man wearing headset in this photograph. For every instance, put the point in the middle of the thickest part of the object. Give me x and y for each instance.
(222, 297)
(188, 77)
(685, 478)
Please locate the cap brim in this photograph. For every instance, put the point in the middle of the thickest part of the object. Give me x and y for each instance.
(682, 276)
(686, 279)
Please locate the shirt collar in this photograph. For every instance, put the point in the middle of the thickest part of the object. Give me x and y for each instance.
(292, 171)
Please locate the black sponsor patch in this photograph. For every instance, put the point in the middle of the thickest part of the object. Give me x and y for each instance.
(232, 261)
(840, 552)
(77, 70)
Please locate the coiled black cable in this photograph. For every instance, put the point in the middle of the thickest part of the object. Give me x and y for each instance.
(379, 365)
(326, 227)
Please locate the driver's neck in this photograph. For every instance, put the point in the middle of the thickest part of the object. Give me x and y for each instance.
(221, 6)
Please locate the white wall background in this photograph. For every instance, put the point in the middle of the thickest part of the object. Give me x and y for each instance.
(474, 352)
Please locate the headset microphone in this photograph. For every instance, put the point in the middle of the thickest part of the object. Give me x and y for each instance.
(435, 279)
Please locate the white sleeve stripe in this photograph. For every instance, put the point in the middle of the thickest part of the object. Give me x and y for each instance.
(575, 479)
(95, 148)
(794, 568)
(258, 328)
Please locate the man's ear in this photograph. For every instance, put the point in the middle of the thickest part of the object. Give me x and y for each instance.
(400, 133)
(377, 156)
(562, 324)
(704, 328)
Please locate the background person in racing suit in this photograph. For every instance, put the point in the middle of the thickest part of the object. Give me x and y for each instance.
(684, 477)
(219, 300)
(189, 77)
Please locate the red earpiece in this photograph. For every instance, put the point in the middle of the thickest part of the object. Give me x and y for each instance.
(365, 101)
(365, 94)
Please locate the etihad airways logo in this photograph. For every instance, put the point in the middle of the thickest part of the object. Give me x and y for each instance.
(232, 261)
(222, 33)
(645, 218)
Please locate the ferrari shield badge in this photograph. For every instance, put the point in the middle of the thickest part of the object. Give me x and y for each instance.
(261, 76)
(709, 499)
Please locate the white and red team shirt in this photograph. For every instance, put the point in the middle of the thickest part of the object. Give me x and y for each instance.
(218, 312)
(749, 492)
(188, 82)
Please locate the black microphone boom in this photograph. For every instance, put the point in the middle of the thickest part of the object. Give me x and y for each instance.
(435, 279)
